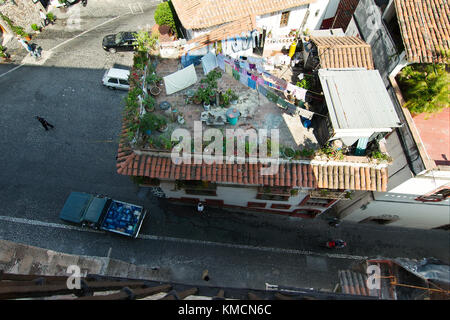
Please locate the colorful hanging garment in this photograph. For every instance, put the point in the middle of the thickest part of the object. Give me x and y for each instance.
(260, 81)
(236, 74)
(282, 102)
(243, 79)
(228, 69)
(221, 61)
(252, 83)
(272, 96)
(262, 90)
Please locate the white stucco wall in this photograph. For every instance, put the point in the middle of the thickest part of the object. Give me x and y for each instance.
(352, 29)
(317, 11)
(272, 21)
(331, 9)
(419, 185)
(238, 196)
(411, 213)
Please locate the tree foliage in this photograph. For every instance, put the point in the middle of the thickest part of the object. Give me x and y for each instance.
(425, 87)
(164, 16)
(144, 41)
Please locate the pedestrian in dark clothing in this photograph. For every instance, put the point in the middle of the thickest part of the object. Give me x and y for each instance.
(44, 123)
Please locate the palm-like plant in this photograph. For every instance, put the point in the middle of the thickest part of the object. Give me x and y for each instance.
(425, 88)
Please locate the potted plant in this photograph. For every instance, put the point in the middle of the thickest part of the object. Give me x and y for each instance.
(232, 96)
(206, 104)
(149, 103)
(148, 123)
(153, 81)
(51, 17)
(35, 27)
(3, 54)
(288, 153)
(180, 118)
(162, 124)
(197, 99)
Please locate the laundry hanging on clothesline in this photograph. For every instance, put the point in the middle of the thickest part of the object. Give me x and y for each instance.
(209, 62)
(244, 71)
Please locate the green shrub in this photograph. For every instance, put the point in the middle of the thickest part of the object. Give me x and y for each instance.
(50, 16)
(305, 84)
(35, 27)
(144, 41)
(380, 156)
(164, 16)
(425, 87)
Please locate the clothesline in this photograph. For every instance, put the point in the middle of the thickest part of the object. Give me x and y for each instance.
(252, 74)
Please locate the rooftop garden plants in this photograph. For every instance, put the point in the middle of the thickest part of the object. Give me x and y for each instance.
(164, 16)
(145, 42)
(330, 152)
(380, 156)
(149, 122)
(425, 87)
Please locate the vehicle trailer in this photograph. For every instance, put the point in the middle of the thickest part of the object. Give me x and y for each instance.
(103, 213)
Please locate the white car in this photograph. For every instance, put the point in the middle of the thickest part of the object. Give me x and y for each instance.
(116, 79)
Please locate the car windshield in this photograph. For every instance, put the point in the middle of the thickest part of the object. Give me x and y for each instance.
(119, 37)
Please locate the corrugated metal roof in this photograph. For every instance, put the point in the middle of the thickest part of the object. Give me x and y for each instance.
(357, 99)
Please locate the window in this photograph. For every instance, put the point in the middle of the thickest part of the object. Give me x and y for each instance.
(124, 82)
(214, 202)
(437, 196)
(306, 213)
(112, 80)
(318, 202)
(196, 187)
(280, 206)
(273, 193)
(256, 204)
(284, 19)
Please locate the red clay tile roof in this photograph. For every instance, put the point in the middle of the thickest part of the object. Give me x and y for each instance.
(343, 52)
(289, 174)
(425, 28)
(231, 29)
(199, 14)
(344, 14)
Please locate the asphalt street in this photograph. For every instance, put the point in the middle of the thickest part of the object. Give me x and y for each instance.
(39, 169)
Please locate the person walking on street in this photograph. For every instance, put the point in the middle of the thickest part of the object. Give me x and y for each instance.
(44, 123)
(25, 44)
(35, 51)
(200, 207)
(44, 18)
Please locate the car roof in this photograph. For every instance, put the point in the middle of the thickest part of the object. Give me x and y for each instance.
(127, 34)
(118, 73)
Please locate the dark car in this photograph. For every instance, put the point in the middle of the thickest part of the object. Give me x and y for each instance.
(122, 41)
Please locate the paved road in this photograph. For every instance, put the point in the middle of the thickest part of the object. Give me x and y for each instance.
(39, 170)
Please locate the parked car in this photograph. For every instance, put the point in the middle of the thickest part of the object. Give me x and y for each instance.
(103, 213)
(122, 41)
(116, 79)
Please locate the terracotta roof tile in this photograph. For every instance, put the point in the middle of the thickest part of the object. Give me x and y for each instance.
(425, 29)
(343, 52)
(290, 174)
(199, 14)
(344, 13)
